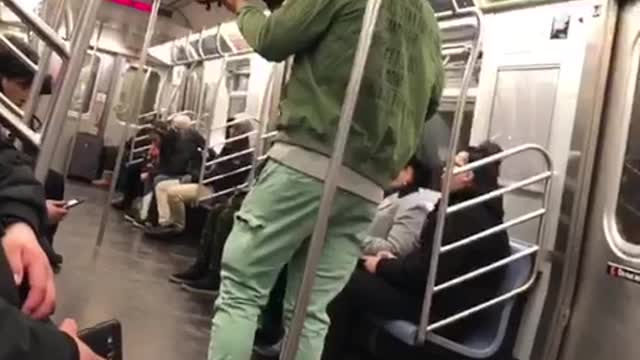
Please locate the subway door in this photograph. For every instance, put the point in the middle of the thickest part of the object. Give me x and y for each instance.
(605, 320)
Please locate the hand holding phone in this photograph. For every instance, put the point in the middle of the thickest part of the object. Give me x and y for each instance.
(72, 203)
(105, 339)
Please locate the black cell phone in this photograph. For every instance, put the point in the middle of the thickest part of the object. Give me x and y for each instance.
(105, 339)
(72, 203)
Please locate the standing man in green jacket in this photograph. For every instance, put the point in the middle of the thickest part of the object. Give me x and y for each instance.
(400, 90)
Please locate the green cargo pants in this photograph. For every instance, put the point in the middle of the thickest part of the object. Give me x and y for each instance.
(272, 229)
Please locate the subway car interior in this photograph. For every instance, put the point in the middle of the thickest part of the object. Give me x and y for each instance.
(553, 83)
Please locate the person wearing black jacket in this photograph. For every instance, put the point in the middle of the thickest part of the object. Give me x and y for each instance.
(232, 158)
(393, 288)
(27, 291)
(15, 83)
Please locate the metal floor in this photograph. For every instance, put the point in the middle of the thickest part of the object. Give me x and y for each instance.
(127, 280)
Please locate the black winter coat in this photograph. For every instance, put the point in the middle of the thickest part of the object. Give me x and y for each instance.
(22, 200)
(179, 151)
(409, 273)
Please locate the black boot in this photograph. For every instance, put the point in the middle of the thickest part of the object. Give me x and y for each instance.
(193, 273)
(207, 285)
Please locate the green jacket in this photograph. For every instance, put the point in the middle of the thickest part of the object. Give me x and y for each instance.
(400, 90)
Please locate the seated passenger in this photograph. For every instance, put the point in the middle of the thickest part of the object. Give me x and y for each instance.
(392, 288)
(401, 215)
(180, 147)
(188, 192)
(15, 83)
(131, 182)
(203, 276)
(24, 265)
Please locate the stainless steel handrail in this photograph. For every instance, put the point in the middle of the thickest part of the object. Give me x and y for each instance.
(135, 113)
(11, 118)
(22, 57)
(499, 192)
(64, 93)
(262, 125)
(229, 157)
(485, 269)
(330, 184)
(40, 27)
(226, 175)
(235, 138)
(446, 187)
(234, 122)
(494, 230)
(223, 192)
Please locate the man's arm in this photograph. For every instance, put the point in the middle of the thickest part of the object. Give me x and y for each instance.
(292, 28)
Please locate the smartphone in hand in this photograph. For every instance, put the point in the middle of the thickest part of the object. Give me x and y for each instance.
(105, 339)
(72, 203)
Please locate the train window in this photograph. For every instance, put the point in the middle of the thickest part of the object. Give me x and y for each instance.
(628, 205)
(152, 86)
(151, 92)
(237, 105)
(86, 85)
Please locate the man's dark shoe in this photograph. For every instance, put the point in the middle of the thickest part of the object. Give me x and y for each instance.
(193, 273)
(207, 285)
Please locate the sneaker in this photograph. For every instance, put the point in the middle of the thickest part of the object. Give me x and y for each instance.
(134, 218)
(204, 286)
(193, 273)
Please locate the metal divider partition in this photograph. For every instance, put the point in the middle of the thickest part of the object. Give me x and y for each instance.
(425, 327)
(72, 57)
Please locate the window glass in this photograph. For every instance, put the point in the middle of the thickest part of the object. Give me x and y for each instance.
(628, 207)
(86, 85)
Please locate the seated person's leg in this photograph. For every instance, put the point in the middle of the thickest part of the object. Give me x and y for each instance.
(179, 197)
(129, 186)
(210, 283)
(164, 212)
(365, 294)
(200, 267)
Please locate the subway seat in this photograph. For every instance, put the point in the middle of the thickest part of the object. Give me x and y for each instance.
(487, 337)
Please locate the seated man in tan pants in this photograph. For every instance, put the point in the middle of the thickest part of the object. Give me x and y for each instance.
(173, 195)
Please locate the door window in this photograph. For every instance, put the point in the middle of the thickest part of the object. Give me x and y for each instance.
(628, 205)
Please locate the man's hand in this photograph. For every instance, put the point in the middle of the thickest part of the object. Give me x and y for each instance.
(70, 328)
(234, 5)
(371, 263)
(26, 258)
(56, 211)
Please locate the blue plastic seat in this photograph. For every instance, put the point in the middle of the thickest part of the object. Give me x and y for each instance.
(487, 337)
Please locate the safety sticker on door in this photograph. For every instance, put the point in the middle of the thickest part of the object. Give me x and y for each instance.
(623, 272)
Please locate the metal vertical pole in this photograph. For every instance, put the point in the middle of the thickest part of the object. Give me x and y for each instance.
(135, 112)
(41, 75)
(330, 184)
(132, 145)
(263, 121)
(74, 139)
(446, 185)
(69, 80)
